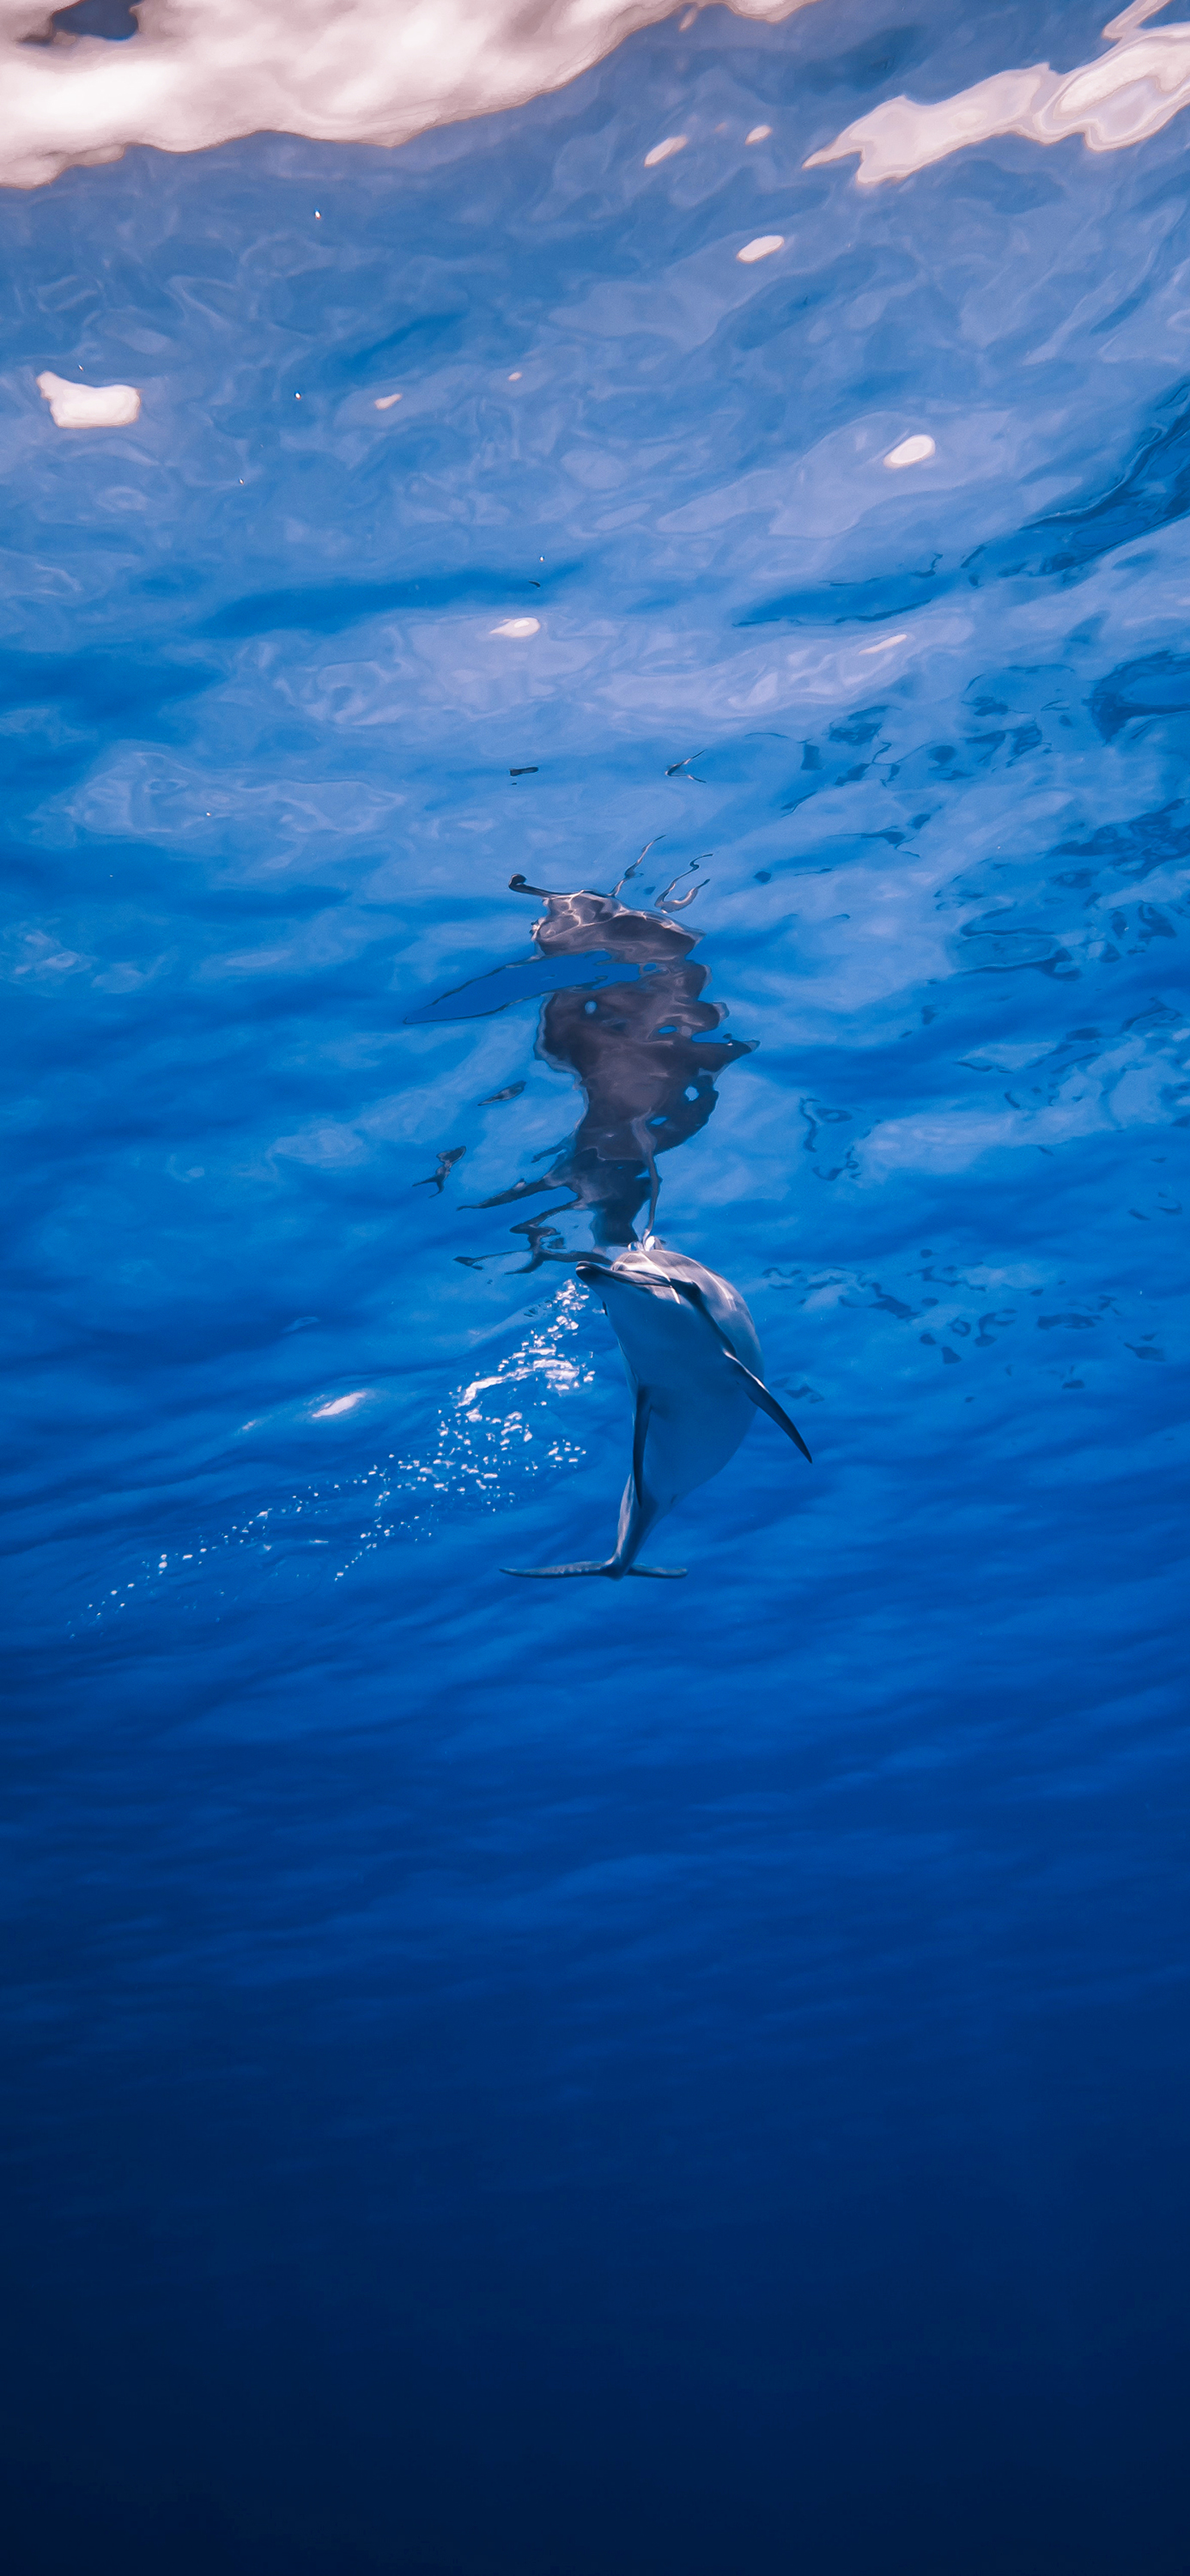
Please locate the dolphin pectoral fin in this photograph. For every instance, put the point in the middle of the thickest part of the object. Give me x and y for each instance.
(639, 1436)
(767, 1403)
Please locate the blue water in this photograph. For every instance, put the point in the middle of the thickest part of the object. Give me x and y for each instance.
(673, 2080)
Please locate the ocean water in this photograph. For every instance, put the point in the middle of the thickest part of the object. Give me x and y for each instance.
(543, 2080)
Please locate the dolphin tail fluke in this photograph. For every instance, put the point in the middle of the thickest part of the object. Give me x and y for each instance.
(614, 1572)
(767, 1403)
(557, 1573)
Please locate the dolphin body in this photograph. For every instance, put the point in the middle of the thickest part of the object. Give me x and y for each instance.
(693, 1360)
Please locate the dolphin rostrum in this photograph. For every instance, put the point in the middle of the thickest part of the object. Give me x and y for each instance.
(693, 1360)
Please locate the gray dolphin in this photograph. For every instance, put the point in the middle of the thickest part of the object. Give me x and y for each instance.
(693, 1360)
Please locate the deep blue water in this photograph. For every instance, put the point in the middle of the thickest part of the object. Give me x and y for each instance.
(680, 2081)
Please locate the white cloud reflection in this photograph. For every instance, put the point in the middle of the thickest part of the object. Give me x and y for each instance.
(200, 72)
(1123, 98)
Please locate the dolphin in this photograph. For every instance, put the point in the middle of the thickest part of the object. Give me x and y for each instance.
(693, 1361)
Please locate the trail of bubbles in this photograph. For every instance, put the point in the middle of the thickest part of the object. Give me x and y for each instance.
(496, 1437)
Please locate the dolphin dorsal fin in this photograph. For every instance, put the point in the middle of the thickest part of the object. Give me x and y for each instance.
(767, 1403)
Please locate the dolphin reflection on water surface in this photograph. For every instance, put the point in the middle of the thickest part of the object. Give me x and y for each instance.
(642, 1043)
(625, 1015)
